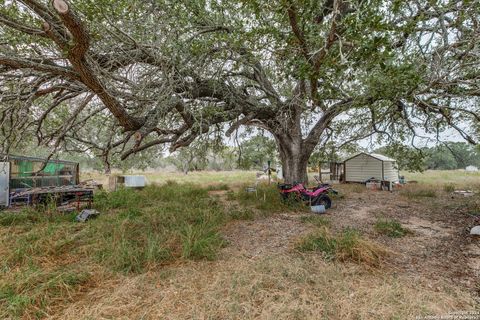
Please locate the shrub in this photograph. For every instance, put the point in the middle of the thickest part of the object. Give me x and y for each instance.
(390, 228)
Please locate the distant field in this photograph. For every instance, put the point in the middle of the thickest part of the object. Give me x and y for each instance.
(196, 177)
(459, 178)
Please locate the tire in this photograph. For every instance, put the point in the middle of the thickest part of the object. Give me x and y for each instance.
(322, 199)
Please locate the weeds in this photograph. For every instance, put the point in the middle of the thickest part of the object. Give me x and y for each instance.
(242, 214)
(136, 231)
(267, 199)
(32, 215)
(355, 188)
(200, 242)
(130, 213)
(18, 218)
(347, 246)
(31, 290)
(449, 187)
(218, 187)
(131, 246)
(390, 228)
(162, 223)
(122, 198)
(418, 192)
(474, 213)
(320, 240)
(316, 220)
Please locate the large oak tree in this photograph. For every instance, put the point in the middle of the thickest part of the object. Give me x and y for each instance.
(118, 77)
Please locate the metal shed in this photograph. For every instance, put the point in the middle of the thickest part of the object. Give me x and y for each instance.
(364, 166)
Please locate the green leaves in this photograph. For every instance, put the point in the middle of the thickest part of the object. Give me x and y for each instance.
(393, 80)
(227, 59)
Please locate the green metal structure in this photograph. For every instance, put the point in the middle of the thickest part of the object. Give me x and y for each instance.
(30, 172)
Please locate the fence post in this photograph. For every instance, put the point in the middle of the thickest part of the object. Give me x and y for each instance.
(320, 171)
(269, 170)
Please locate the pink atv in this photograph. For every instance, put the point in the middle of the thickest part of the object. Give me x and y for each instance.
(313, 197)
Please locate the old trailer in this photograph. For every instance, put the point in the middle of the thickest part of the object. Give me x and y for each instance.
(31, 180)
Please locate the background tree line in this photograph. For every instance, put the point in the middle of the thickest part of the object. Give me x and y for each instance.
(254, 151)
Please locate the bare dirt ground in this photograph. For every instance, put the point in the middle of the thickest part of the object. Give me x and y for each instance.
(439, 247)
(259, 275)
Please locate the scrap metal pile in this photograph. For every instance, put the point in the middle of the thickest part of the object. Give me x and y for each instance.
(62, 196)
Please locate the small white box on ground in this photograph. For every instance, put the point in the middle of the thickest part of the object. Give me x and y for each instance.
(134, 181)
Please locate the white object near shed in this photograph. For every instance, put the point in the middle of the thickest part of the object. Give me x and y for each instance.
(123, 181)
(471, 169)
(364, 166)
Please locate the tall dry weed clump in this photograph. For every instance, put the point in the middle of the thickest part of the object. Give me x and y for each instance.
(347, 246)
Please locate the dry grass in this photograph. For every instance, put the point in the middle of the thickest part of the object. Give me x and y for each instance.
(459, 178)
(347, 246)
(203, 178)
(46, 259)
(275, 287)
(162, 255)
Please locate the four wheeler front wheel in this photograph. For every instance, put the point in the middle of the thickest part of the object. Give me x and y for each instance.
(322, 199)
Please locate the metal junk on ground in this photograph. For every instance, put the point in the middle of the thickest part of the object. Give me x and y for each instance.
(86, 214)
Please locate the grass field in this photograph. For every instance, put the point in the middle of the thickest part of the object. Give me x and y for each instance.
(200, 246)
(460, 178)
(237, 178)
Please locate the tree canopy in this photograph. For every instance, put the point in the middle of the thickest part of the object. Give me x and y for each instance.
(118, 77)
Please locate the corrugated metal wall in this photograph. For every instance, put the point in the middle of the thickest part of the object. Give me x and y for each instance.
(390, 171)
(362, 167)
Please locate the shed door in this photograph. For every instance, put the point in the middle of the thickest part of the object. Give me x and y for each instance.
(4, 190)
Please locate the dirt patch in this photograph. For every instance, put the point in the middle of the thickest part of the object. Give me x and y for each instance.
(267, 236)
(474, 256)
(360, 211)
(438, 247)
(422, 227)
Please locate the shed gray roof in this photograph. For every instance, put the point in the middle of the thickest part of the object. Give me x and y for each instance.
(380, 157)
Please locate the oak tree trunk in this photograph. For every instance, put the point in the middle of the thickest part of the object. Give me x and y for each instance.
(295, 170)
(294, 157)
